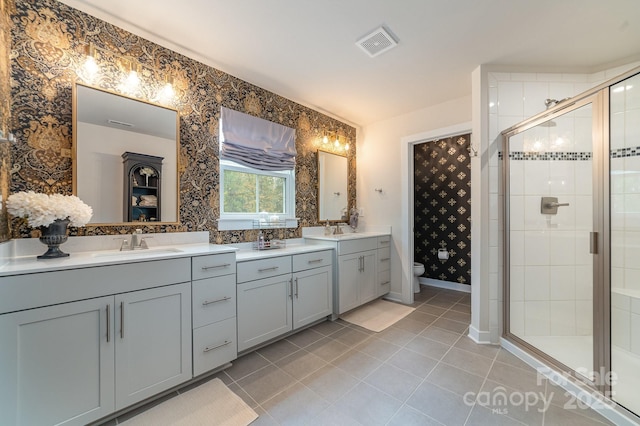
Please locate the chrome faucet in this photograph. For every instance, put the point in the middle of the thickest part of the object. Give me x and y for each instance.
(338, 230)
(136, 242)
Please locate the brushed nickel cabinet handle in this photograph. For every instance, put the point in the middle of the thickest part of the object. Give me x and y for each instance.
(122, 320)
(291, 289)
(209, 302)
(297, 287)
(108, 323)
(273, 268)
(210, 348)
(315, 261)
(386, 259)
(385, 283)
(384, 242)
(224, 265)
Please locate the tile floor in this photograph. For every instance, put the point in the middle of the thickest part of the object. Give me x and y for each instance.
(416, 372)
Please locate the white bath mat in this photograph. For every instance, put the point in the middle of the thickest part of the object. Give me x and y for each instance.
(377, 315)
(210, 404)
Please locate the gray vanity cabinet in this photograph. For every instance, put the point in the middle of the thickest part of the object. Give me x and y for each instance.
(295, 291)
(96, 341)
(57, 365)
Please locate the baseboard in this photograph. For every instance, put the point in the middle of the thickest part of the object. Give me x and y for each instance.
(445, 284)
(480, 337)
(604, 406)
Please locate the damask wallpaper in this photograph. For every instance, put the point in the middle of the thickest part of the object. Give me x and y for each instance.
(6, 8)
(49, 49)
(442, 184)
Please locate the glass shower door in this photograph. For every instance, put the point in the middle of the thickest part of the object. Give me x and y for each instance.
(550, 192)
(625, 241)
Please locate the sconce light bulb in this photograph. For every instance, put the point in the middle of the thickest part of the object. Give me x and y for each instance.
(337, 143)
(346, 147)
(90, 65)
(325, 139)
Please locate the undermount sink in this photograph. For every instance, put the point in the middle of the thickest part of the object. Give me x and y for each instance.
(137, 253)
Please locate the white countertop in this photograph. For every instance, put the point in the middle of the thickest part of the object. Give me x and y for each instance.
(346, 236)
(245, 254)
(30, 264)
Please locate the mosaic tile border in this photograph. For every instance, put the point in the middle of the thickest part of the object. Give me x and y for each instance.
(625, 152)
(548, 156)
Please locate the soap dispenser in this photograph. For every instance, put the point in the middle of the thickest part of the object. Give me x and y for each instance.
(327, 228)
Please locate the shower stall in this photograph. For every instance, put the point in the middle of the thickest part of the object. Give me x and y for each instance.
(571, 187)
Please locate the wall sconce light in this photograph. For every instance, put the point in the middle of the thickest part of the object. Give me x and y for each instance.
(167, 90)
(90, 65)
(325, 138)
(133, 79)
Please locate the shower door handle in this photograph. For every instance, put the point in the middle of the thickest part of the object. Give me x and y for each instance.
(549, 205)
(593, 242)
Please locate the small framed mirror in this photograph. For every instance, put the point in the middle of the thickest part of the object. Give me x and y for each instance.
(112, 133)
(333, 197)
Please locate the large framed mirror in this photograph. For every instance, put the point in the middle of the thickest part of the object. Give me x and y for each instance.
(333, 197)
(125, 157)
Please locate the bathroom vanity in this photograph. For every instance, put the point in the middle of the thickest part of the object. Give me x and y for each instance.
(362, 271)
(90, 335)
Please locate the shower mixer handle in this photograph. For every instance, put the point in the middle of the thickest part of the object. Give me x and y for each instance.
(549, 205)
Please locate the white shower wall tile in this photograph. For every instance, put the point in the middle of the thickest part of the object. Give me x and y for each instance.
(536, 249)
(536, 318)
(516, 143)
(493, 100)
(635, 307)
(516, 249)
(617, 98)
(536, 283)
(631, 249)
(516, 212)
(621, 328)
(562, 248)
(583, 135)
(494, 321)
(517, 282)
(584, 318)
(510, 95)
(517, 318)
(493, 286)
(536, 175)
(516, 177)
(584, 282)
(618, 249)
(618, 212)
(560, 91)
(620, 301)
(583, 211)
(632, 128)
(617, 277)
(562, 282)
(632, 94)
(581, 250)
(632, 174)
(583, 177)
(616, 130)
(575, 77)
(493, 180)
(548, 76)
(535, 94)
(533, 219)
(635, 334)
(562, 318)
(632, 278)
(506, 121)
(632, 212)
(494, 207)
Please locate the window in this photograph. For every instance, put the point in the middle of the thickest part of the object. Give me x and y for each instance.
(246, 192)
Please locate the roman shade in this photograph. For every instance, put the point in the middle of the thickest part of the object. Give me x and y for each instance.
(256, 143)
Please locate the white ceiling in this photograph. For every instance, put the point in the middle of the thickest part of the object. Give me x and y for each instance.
(305, 50)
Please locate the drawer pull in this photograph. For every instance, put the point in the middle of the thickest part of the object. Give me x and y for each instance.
(108, 322)
(315, 261)
(384, 242)
(273, 268)
(386, 259)
(385, 283)
(224, 265)
(210, 348)
(209, 302)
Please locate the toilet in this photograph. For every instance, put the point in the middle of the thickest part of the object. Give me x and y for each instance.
(418, 269)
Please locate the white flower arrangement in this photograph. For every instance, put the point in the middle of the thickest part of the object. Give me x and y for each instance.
(147, 171)
(42, 209)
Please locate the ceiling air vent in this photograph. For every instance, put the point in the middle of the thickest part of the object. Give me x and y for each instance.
(376, 42)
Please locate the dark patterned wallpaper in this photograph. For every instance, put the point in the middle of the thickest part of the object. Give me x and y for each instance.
(442, 210)
(6, 8)
(49, 50)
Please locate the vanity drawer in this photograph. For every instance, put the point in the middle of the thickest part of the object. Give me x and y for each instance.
(356, 245)
(384, 282)
(263, 268)
(214, 299)
(312, 260)
(384, 241)
(384, 259)
(213, 265)
(214, 345)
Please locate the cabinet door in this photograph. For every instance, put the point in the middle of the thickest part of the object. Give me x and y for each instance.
(153, 341)
(349, 269)
(368, 280)
(264, 310)
(312, 295)
(56, 364)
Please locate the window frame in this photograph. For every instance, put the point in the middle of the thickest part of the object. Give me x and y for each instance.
(232, 221)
